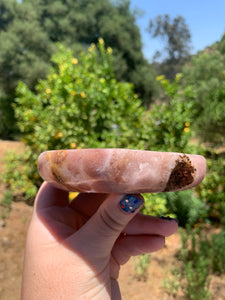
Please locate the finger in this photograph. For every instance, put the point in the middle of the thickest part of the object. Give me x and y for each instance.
(48, 195)
(99, 234)
(127, 246)
(87, 203)
(143, 224)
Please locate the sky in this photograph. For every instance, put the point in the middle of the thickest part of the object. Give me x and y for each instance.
(204, 18)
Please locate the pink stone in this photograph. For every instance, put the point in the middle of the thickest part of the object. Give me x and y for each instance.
(121, 170)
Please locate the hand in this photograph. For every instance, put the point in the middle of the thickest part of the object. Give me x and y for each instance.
(74, 250)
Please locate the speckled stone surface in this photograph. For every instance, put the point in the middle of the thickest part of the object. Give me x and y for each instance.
(121, 170)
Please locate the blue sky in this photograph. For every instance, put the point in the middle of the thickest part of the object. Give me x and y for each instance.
(205, 20)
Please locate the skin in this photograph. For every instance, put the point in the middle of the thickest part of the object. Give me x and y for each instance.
(74, 251)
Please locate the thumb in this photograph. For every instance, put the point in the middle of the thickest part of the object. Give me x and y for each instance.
(105, 226)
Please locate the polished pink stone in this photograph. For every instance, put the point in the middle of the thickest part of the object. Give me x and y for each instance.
(121, 170)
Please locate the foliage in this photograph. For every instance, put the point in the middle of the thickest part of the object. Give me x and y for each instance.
(21, 174)
(221, 45)
(5, 204)
(201, 255)
(30, 30)
(177, 38)
(168, 124)
(141, 264)
(187, 207)
(22, 45)
(80, 104)
(197, 283)
(88, 20)
(206, 77)
(172, 283)
(7, 126)
(195, 265)
(212, 189)
(217, 244)
(155, 205)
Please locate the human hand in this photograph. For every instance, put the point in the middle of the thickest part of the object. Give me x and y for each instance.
(75, 250)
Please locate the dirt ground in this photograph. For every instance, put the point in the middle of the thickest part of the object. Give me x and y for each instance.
(12, 241)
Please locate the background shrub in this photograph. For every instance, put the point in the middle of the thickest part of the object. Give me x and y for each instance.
(168, 124)
(187, 207)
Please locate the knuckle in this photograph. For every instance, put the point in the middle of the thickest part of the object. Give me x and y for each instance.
(110, 222)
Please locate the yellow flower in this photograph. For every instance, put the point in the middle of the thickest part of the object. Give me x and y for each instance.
(83, 95)
(178, 76)
(79, 148)
(48, 91)
(160, 77)
(58, 135)
(91, 48)
(73, 145)
(186, 129)
(109, 50)
(101, 41)
(187, 124)
(75, 61)
(73, 93)
(72, 195)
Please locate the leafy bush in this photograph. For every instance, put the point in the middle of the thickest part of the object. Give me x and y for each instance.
(141, 264)
(172, 283)
(201, 255)
(196, 274)
(5, 204)
(195, 264)
(217, 245)
(205, 76)
(212, 189)
(168, 125)
(21, 175)
(80, 104)
(186, 206)
(155, 205)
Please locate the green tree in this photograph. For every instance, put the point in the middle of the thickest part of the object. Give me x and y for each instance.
(205, 75)
(88, 20)
(24, 55)
(29, 31)
(177, 38)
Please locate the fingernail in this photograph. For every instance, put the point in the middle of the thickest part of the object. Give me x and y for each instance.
(168, 218)
(130, 203)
